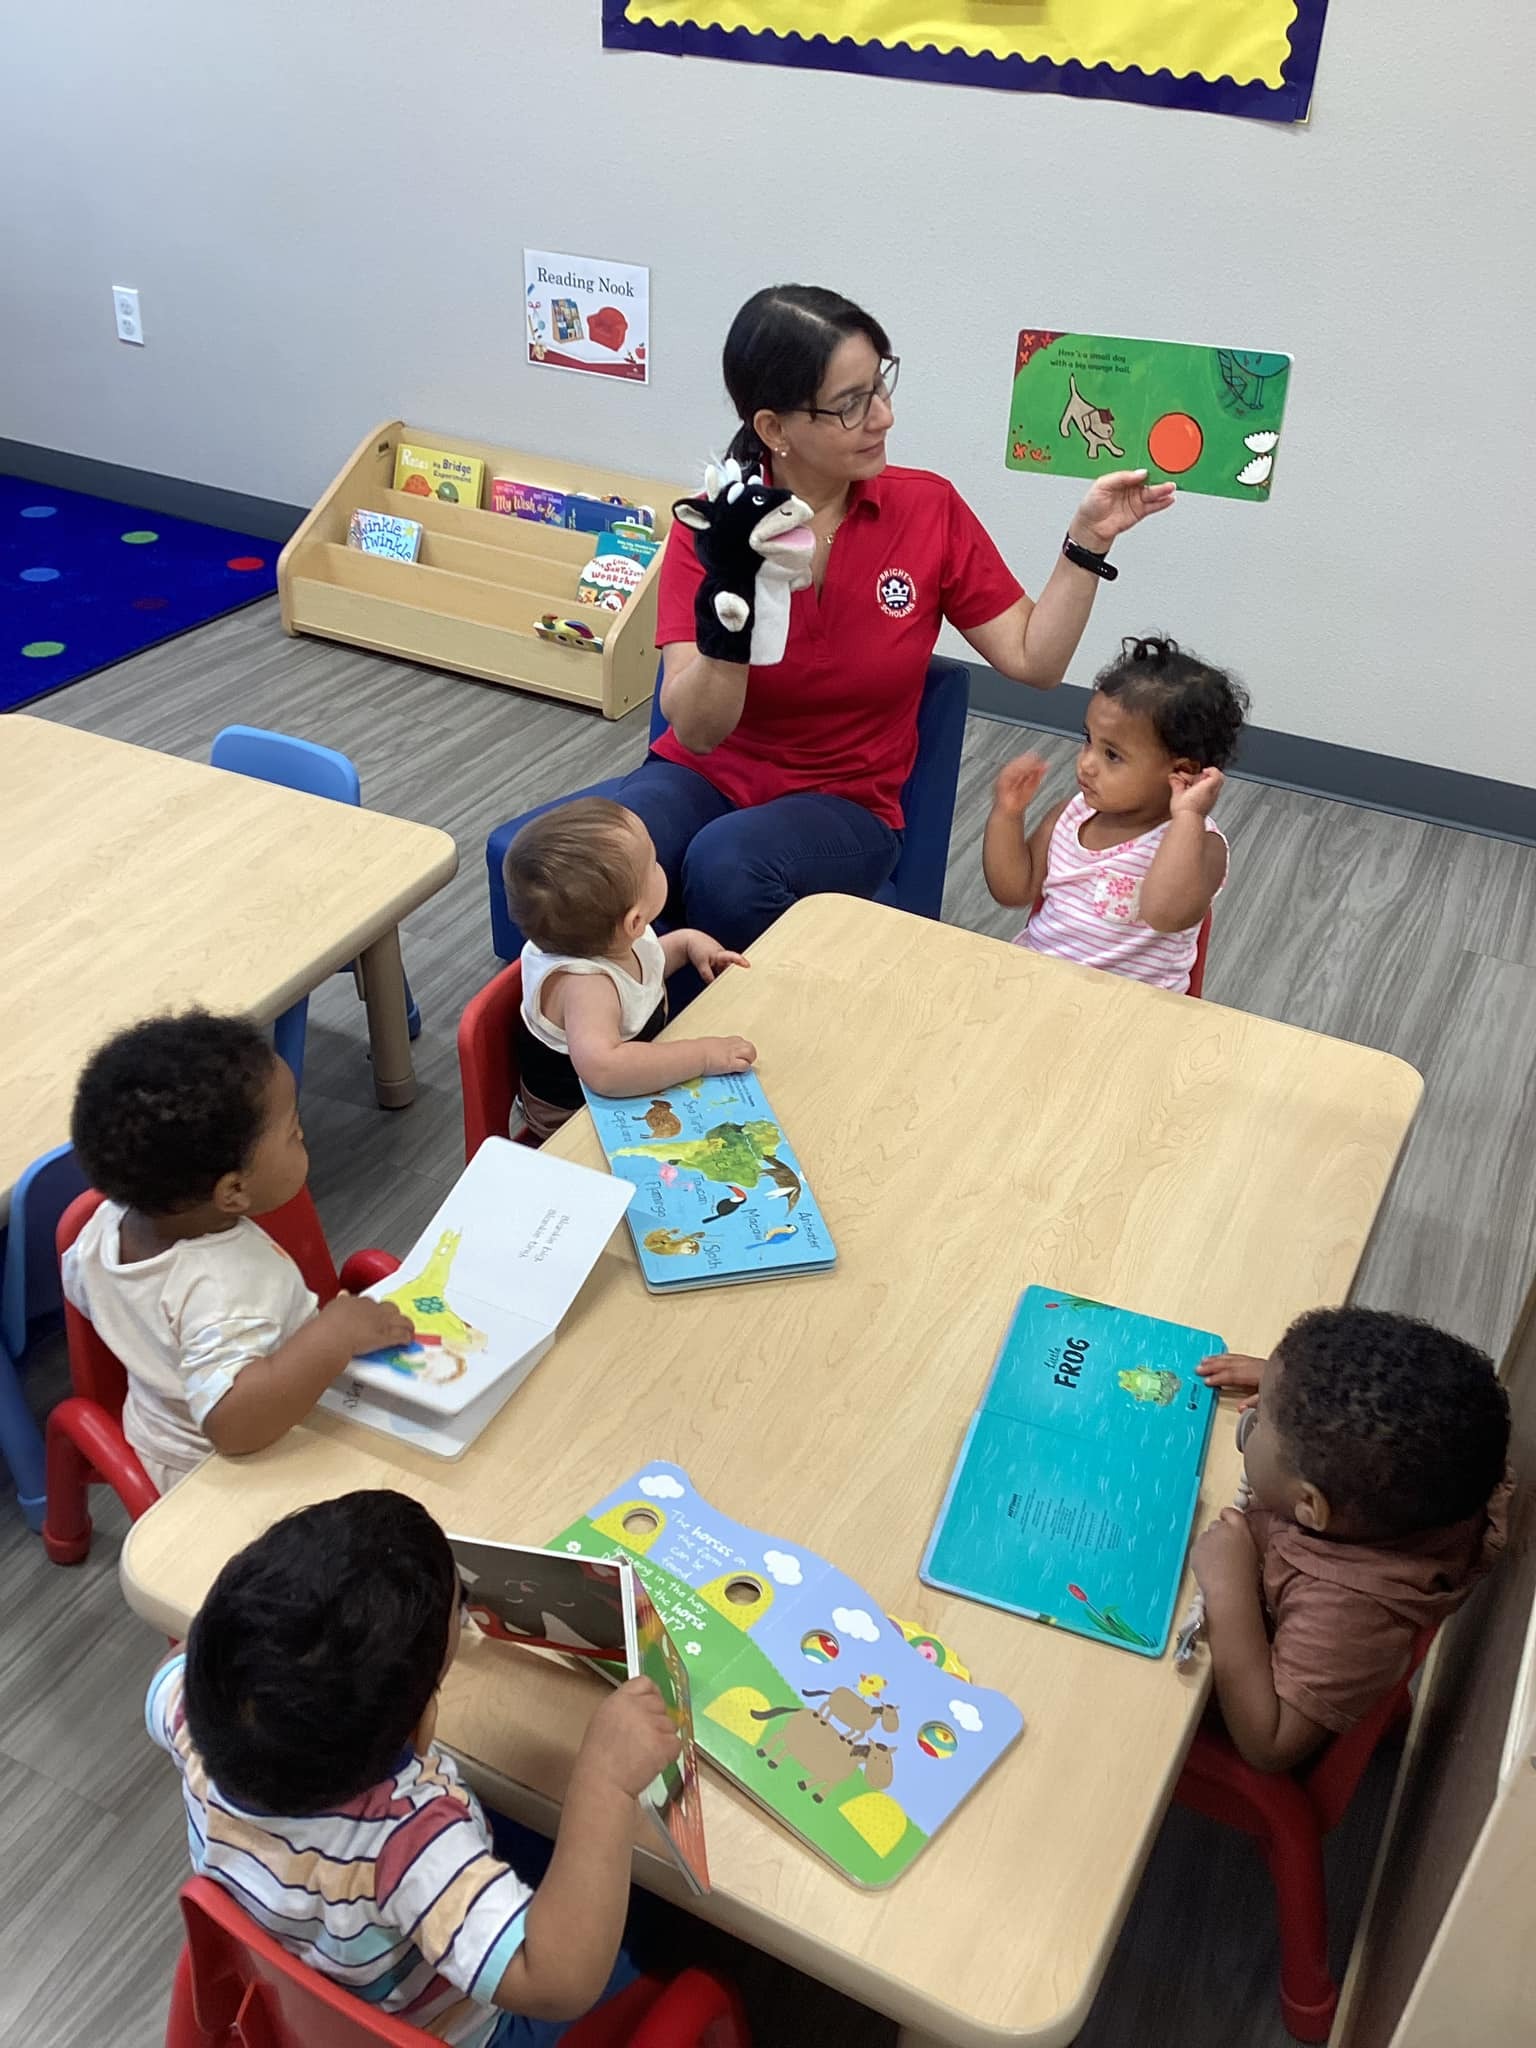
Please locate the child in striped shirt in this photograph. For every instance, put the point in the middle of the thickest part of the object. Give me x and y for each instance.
(301, 1716)
(1122, 874)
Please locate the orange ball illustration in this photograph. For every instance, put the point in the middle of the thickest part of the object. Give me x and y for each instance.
(1175, 442)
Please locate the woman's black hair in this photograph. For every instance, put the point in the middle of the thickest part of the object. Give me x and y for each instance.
(1196, 711)
(777, 352)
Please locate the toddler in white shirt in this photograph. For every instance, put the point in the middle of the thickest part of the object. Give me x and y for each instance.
(189, 1126)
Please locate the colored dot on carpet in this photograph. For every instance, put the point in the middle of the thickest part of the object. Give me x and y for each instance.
(140, 537)
(38, 511)
(39, 575)
(150, 604)
(39, 650)
(246, 562)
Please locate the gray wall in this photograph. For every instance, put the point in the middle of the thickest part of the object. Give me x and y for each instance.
(324, 207)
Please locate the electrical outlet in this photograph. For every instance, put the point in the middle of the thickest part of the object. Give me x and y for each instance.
(125, 300)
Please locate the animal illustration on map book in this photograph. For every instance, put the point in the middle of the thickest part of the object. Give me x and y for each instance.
(864, 1762)
(756, 547)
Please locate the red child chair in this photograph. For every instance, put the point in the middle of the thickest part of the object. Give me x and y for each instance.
(1202, 947)
(488, 1059)
(236, 1987)
(86, 1446)
(1288, 1813)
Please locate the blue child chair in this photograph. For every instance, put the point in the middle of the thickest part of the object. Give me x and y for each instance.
(928, 803)
(315, 771)
(29, 1293)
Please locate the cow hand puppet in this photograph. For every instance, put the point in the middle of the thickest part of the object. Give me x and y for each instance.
(756, 547)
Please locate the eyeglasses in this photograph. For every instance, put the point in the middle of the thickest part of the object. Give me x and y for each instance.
(854, 411)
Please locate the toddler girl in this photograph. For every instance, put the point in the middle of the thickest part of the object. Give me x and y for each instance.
(584, 883)
(189, 1127)
(1122, 874)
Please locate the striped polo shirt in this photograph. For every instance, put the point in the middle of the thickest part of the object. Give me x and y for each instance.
(396, 1894)
(1091, 907)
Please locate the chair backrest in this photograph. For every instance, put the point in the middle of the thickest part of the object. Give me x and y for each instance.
(1331, 1782)
(488, 1058)
(29, 1279)
(291, 763)
(242, 1978)
(96, 1373)
(928, 797)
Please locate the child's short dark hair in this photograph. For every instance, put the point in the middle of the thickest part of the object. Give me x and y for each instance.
(1390, 1418)
(1196, 711)
(166, 1108)
(571, 878)
(318, 1650)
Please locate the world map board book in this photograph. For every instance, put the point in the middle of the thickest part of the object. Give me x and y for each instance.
(596, 1608)
(485, 1286)
(1076, 1484)
(1209, 418)
(855, 1731)
(720, 1195)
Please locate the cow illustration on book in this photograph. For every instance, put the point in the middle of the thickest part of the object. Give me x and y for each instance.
(828, 1757)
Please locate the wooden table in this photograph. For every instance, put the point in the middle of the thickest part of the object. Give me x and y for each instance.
(136, 882)
(973, 1118)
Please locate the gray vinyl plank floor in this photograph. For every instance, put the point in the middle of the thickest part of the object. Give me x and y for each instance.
(1397, 934)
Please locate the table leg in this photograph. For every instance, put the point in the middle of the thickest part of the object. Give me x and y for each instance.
(394, 1080)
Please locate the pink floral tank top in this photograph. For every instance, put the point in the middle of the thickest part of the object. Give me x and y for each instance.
(1091, 910)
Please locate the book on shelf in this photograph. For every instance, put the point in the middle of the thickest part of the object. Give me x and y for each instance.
(381, 533)
(434, 473)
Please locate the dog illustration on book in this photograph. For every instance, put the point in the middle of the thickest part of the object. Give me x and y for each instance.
(1094, 422)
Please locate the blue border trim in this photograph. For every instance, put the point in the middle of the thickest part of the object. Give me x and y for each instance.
(1288, 103)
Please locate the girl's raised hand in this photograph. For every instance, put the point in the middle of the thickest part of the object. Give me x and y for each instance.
(1196, 794)
(1018, 783)
(1114, 504)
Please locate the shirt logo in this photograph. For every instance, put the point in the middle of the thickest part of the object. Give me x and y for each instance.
(896, 593)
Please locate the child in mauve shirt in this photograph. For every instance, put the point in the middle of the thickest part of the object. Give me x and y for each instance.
(1121, 875)
(1380, 1497)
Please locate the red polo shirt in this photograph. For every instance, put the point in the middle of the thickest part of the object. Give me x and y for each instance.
(839, 713)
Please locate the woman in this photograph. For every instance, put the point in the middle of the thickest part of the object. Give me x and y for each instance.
(783, 782)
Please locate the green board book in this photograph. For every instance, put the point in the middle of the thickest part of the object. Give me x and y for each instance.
(1206, 418)
(1076, 1484)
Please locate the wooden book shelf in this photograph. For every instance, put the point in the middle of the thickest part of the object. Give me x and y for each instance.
(470, 601)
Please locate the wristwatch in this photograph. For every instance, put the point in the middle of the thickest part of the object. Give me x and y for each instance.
(1085, 558)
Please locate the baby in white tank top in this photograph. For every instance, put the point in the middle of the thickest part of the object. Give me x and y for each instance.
(1122, 874)
(584, 883)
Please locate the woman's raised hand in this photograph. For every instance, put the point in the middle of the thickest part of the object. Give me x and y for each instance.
(1114, 504)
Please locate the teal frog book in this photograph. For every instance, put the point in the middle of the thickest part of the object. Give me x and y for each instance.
(720, 1196)
(1076, 1485)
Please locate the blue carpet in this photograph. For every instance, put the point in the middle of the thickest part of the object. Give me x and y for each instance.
(85, 582)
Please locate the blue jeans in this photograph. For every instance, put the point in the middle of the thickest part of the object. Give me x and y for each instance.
(529, 1856)
(734, 871)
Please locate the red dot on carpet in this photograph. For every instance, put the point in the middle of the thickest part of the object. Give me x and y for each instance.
(246, 562)
(150, 604)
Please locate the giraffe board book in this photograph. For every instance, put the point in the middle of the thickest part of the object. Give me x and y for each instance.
(596, 1608)
(719, 1194)
(485, 1286)
(857, 1732)
(1076, 1484)
(1208, 418)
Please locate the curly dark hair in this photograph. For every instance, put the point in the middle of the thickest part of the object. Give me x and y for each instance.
(570, 876)
(1196, 711)
(166, 1108)
(317, 1651)
(1396, 1421)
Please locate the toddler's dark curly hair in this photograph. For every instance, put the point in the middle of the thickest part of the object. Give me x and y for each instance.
(1196, 711)
(166, 1108)
(1395, 1420)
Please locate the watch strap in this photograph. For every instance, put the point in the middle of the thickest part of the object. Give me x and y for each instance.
(1085, 558)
